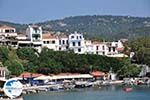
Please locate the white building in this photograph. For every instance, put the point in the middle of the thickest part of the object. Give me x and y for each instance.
(55, 42)
(7, 31)
(100, 48)
(110, 49)
(115, 49)
(76, 43)
(7, 36)
(34, 35)
(89, 47)
(50, 41)
(35, 38)
(63, 43)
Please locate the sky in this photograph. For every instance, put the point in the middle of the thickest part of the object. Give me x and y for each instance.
(31, 11)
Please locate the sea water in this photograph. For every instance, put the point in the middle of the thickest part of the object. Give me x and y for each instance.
(103, 93)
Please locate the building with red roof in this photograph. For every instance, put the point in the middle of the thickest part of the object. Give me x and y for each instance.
(29, 75)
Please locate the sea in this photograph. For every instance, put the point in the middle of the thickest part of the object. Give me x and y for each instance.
(99, 93)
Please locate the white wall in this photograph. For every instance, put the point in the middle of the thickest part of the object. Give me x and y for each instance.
(77, 43)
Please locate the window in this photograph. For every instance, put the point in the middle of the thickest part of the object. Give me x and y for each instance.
(44, 42)
(72, 37)
(36, 37)
(67, 47)
(103, 53)
(109, 49)
(47, 42)
(80, 37)
(73, 43)
(116, 45)
(6, 31)
(79, 50)
(36, 30)
(77, 37)
(59, 49)
(97, 53)
(59, 42)
(12, 31)
(96, 47)
(67, 41)
(53, 42)
(103, 47)
(113, 49)
(63, 42)
(79, 43)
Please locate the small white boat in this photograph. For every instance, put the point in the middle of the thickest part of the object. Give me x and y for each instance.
(57, 87)
(82, 84)
(67, 84)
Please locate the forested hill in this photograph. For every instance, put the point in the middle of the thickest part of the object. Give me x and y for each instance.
(108, 27)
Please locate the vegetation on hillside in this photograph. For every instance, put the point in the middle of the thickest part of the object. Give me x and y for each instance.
(141, 48)
(101, 27)
(54, 62)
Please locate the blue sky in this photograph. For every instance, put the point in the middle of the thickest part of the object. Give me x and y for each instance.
(27, 11)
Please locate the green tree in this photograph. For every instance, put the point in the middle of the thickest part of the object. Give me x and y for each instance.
(29, 58)
(141, 47)
(27, 53)
(4, 51)
(14, 66)
(129, 70)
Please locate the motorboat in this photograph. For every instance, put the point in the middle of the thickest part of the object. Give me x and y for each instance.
(128, 89)
(82, 84)
(57, 87)
(67, 84)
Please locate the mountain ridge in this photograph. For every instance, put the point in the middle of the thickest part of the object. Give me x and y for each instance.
(95, 26)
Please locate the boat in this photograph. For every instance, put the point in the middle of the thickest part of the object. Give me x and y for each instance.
(57, 87)
(82, 84)
(128, 89)
(67, 84)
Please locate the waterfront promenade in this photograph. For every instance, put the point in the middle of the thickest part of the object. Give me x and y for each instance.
(12, 99)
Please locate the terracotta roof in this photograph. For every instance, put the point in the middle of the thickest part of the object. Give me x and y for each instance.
(120, 49)
(21, 35)
(97, 42)
(64, 74)
(28, 75)
(6, 27)
(48, 36)
(97, 73)
(62, 36)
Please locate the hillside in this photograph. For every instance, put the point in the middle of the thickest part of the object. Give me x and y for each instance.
(108, 27)
(19, 27)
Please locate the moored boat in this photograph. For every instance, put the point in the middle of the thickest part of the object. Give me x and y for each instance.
(57, 87)
(128, 89)
(82, 84)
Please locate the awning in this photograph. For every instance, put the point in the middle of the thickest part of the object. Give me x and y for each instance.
(29, 75)
(97, 74)
(43, 77)
(54, 77)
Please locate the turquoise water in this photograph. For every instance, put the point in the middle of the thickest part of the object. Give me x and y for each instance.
(104, 93)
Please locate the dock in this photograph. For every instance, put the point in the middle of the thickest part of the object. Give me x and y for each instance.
(11, 99)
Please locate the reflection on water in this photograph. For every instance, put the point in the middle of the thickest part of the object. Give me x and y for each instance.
(104, 93)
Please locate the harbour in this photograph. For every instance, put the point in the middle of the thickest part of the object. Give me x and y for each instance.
(74, 50)
(113, 92)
